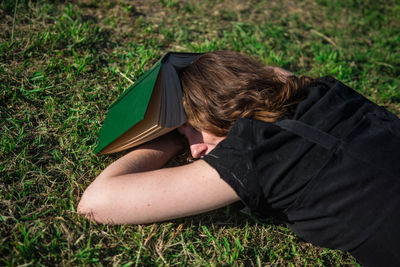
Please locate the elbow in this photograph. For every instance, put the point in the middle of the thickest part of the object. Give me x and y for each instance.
(87, 209)
(95, 205)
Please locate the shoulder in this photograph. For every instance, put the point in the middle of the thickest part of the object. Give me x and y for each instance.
(328, 98)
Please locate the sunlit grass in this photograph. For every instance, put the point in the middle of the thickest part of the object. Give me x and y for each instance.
(62, 65)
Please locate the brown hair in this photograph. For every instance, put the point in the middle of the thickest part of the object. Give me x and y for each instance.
(221, 87)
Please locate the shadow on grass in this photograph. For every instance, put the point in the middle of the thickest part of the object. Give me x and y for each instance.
(236, 215)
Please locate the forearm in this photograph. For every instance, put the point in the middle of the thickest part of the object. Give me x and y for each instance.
(150, 156)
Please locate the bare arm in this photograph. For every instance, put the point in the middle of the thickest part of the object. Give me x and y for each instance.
(150, 156)
(131, 191)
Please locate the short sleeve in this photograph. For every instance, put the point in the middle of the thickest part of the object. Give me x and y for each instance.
(231, 158)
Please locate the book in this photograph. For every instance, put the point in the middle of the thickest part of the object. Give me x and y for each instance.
(149, 108)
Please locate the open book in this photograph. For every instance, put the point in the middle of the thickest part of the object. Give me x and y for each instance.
(149, 108)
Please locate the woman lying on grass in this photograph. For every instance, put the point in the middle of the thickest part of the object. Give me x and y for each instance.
(313, 152)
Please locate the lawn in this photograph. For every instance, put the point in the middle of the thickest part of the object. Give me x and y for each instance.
(63, 63)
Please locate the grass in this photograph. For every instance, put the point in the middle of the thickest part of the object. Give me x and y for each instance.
(60, 68)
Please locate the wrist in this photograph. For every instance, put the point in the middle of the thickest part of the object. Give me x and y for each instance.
(170, 143)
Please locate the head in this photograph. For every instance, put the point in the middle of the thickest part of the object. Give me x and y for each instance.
(221, 87)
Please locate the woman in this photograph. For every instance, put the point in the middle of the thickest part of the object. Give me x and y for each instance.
(313, 152)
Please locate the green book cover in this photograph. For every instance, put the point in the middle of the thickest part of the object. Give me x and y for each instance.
(130, 108)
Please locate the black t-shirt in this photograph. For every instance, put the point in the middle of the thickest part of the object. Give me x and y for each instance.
(331, 170)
